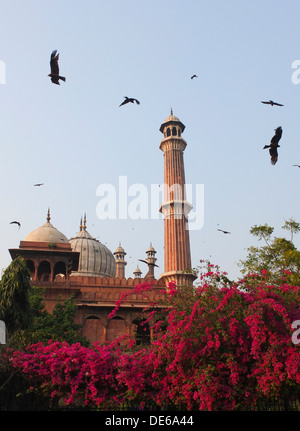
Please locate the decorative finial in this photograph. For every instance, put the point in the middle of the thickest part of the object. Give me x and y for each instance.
(48, 216)
(80, 226)
(171, 111)
(84, 222)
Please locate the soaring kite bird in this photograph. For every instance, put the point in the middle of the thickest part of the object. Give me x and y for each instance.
(194, 76)
(129, 99)
(16, 222)
(274, 145)
(153, 264)
(224, 231)
(270, 102)
(54, 75)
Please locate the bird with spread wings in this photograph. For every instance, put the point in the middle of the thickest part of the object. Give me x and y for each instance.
(274, 145)
(54, 75)
(270, 102)
(129, 100)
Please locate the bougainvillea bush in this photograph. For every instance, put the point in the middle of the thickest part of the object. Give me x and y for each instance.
(218, 346)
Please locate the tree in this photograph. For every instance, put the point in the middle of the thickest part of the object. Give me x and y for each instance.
(279, 256)
(15, 287)
(23, 311)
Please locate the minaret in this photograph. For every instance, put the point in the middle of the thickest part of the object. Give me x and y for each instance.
(120, 262)
(151, 259)
(175, 208)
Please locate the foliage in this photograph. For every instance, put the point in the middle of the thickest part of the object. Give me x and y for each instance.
(221, 346)
(278, 256)
(15, 286)
(23, 311)
(58, 325)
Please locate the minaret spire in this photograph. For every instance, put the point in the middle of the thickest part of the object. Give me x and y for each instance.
(175, 208)
(84, 222)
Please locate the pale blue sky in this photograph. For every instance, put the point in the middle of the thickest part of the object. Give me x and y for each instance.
(75, 137)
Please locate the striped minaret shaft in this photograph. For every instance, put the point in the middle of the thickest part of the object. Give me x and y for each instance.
(175, 207)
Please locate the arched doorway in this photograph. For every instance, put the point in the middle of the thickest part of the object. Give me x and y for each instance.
(93, 330)
(142, 333)
(116, 328)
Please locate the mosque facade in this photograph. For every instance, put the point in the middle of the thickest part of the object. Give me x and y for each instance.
(84, 267)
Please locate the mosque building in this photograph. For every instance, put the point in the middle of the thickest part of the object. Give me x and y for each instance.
(84, 267)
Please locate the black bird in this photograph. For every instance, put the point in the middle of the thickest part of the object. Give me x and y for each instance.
(54, 75)
(274, 145)
(16, 222)
(297, 166)
(129, 99)
(224, 231)
(38, 185)
(270, 102)
(154, 264)
(194, 76)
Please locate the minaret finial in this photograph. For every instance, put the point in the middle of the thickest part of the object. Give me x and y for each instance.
(171, 111)
(80, 226)
(84, 222)
(48, 216)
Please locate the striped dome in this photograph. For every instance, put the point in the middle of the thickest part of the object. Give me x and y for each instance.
(95, 259)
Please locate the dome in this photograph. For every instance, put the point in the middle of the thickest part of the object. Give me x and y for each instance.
(47, 233)
(172, 119)
(120, 249)
(95, 259)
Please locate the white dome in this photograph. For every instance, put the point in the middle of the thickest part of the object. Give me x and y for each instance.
(47, 233)
(95, 259)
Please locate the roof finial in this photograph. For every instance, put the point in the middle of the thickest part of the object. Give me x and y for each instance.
(48, 216)
(84, 222)
(80, 226)
(171, 111)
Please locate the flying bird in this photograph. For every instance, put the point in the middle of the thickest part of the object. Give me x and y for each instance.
(38, 184)
(297, 166)
(270, 102)
(154, 264)
(16, 222)
(194, 76)
(54, 75)
(129, 99)
(274, 145)
(224, 231)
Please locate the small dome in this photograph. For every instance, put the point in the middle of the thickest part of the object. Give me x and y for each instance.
(47, 233)
(151, 248)
(172, 119)
(120, 249)
(95, 259)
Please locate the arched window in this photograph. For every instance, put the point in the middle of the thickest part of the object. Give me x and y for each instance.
(30, 266)
(142, 334)
(168, 131)
(59, 268)
(174, 131)
(44, 271)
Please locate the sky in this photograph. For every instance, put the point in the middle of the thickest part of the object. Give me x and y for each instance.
(75, 137)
